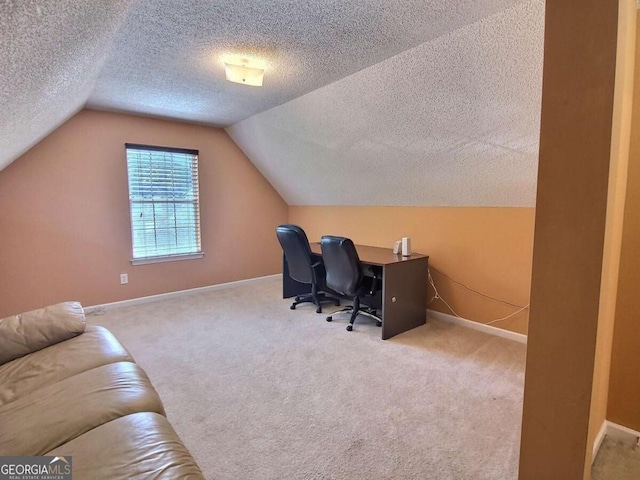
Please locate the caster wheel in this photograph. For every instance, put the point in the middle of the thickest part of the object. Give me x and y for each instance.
(318, 310)
(378, 323)
(329, 319)
(349, 328)
(292, 307)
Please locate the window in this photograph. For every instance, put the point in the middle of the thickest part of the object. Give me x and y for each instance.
(165, 210)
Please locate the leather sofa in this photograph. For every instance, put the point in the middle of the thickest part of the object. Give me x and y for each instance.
(71, 389)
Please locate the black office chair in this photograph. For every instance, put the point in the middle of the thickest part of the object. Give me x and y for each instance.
(345, 276)
(303, 267)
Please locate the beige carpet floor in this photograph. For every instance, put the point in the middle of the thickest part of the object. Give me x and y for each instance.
(259, 391)
(616, 461)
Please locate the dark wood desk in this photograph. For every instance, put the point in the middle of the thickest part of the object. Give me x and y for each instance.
(403, 297)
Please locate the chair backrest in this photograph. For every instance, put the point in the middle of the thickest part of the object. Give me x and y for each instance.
(341, 261)
(295, 246)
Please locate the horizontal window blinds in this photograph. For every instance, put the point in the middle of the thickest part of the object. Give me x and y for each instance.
(164, 200)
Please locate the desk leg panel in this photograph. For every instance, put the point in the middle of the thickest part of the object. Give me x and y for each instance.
(404, 296)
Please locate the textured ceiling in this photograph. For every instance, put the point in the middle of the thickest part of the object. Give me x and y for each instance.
(408, 102)
(52, 52)
(168, 59)
(453, 121)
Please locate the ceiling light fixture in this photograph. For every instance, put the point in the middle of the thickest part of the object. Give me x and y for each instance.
(243, 74)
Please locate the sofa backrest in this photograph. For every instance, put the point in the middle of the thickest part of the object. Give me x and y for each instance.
(32, 331)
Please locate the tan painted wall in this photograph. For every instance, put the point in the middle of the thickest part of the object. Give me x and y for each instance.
(486, 249)
(623, 101)
(64, 215)
(574, 162)
(624, 387)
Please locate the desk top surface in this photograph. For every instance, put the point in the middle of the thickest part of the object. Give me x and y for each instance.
(375, 255)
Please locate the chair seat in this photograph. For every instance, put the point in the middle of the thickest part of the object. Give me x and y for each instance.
(94, 348)
(45, 418)
(138, 446)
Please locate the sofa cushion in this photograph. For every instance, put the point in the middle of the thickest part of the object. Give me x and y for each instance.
(138, 446)
(32, 331)
(95, 347)
(50, 416)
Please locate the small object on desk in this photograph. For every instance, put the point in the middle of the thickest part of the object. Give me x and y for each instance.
(396, 247)
(406, 246)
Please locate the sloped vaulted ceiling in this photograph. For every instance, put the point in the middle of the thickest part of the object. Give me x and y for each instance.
(168, 59)
(50, 56)
(453, 121)
(365, 102)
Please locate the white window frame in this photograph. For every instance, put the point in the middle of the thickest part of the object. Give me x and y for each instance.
(195, 201)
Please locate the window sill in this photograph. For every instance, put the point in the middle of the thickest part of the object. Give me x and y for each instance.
(167, 258)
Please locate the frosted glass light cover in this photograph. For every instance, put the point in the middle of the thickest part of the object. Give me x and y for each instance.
(244, 75)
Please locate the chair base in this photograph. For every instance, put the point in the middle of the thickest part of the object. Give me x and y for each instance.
(366, 311)
(316, 299)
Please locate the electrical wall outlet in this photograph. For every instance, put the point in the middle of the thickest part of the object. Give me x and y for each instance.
(124, 278)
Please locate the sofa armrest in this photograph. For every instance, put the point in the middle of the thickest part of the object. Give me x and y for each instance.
(32, 331)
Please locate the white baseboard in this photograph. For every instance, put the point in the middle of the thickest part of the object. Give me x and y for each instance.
(180, 293)
(624, 434)
(617, 432)
(598, 441)
(499, 332)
